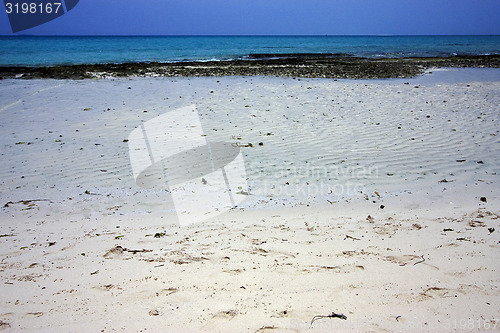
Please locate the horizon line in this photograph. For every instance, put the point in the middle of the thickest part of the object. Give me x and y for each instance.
(259, 35)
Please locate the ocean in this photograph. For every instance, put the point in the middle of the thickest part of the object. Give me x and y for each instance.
(59, 50)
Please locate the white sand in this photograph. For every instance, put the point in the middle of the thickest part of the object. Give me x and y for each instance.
(300, 245)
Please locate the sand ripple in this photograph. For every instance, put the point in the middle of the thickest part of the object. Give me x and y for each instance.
(343, 137)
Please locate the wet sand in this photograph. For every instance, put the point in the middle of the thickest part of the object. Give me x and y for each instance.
(378, 200)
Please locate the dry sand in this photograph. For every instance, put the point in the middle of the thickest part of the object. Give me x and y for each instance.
(365, 199)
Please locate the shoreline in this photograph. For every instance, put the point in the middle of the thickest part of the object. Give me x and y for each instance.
(332, 66)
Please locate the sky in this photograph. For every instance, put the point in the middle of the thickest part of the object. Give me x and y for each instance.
(272, 17)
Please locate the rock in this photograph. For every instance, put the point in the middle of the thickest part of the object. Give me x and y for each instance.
(154, 312)
(311, 65)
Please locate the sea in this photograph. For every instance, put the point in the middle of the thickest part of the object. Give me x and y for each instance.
(70, 50)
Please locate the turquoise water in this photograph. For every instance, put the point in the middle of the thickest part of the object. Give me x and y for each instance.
(37, 51)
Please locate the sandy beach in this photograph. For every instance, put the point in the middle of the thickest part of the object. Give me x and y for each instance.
(376, 200)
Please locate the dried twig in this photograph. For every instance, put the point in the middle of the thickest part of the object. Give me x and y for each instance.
(136, 251)
(420, 261)
(24, 202)
(331, 315)
(350, 237)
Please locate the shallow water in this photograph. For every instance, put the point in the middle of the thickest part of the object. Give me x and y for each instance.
(57, 50)
(311, 139)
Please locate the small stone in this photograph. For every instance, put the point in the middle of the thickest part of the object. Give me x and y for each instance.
(483, 199)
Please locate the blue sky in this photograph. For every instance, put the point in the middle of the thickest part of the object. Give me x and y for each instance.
(272, 17)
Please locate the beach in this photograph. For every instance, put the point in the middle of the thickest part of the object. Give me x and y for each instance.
(373, 201)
